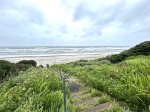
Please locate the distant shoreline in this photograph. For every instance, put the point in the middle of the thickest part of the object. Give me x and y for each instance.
(59, 59)
(57, 46)
(57, 54)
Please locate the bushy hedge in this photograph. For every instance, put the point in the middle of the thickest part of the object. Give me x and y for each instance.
(22, 67)
(140, 49)
(7, 68)
(28, 62)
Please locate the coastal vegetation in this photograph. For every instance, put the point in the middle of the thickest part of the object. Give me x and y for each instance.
(27, 62)
(34, 90)
(128, 81)
(8, 69)
(140, 49)
(123, 78)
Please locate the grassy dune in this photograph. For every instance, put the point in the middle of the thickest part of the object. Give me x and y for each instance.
(128, 81)
(36, 90)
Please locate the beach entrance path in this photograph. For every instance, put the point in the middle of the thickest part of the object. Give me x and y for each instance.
(86, 99)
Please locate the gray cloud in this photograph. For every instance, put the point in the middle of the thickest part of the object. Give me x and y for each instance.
(124, 21)
(63, 29)
(33, 15)
(82, 11)
(100, 18)
(16, 21)
(134, 17)
(7, 4)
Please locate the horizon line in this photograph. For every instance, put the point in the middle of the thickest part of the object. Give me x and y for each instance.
(72, 46)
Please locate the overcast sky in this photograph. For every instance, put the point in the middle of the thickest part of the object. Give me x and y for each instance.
(74, 22)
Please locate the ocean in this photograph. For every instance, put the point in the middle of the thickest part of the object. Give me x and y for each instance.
(12, 52)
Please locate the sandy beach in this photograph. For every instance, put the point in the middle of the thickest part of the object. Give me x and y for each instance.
(57, 55)
(59, 59)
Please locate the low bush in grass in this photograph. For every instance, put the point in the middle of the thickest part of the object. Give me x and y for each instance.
(6, 68)
(22, 67)
(28, 62)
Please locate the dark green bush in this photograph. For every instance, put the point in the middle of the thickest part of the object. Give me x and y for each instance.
(82, 60)
(140, 49)
(116, 58)
(22, 67)
(28, 62)
(101, 59)
(6, 68)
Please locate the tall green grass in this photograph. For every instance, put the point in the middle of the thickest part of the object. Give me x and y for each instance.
(36, 90)
(128, 81)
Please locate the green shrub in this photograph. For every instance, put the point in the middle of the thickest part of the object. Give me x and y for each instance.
(82, 60)
(115, 58)
(140, 49)
(6, 68)
(22, 67)
(28, 62)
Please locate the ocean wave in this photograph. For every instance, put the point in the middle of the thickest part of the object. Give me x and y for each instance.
(53, 51)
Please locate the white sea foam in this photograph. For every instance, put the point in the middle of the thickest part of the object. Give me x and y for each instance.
(56, 51)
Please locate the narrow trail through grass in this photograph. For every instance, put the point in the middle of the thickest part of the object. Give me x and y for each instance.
(86, 99)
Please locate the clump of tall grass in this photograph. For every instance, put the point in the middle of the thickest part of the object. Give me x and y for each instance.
(104, 99)
(36, 90)
(116, 108)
